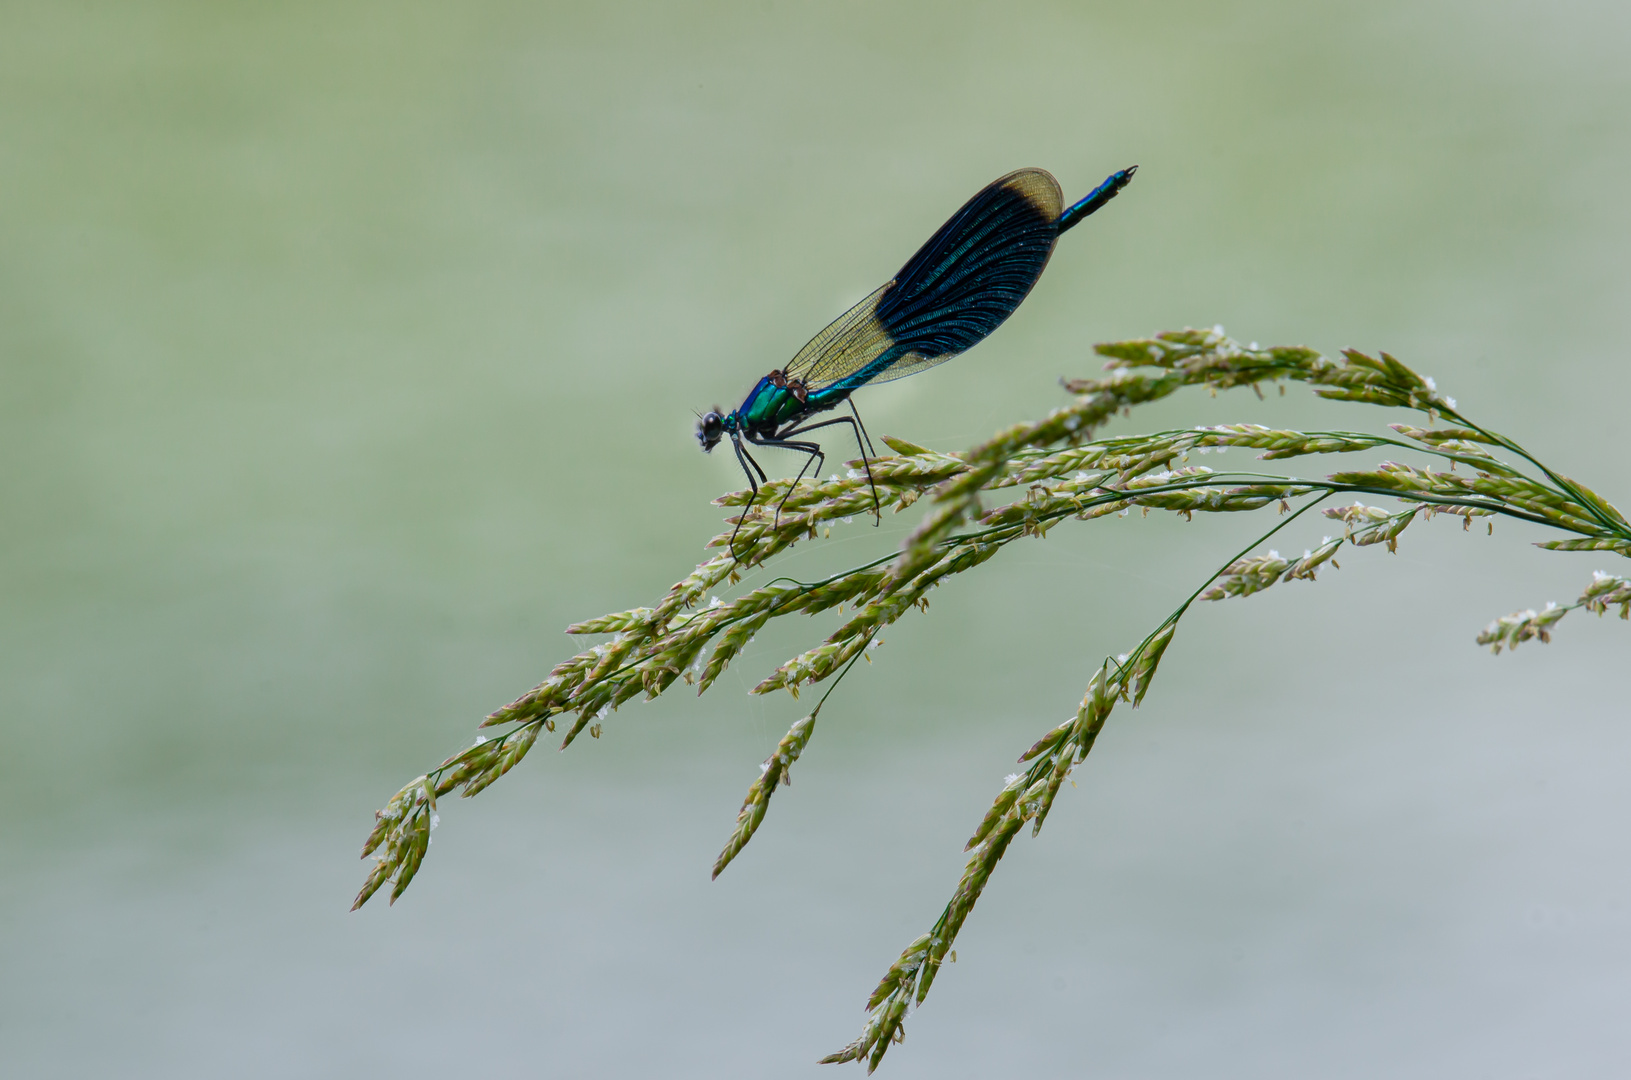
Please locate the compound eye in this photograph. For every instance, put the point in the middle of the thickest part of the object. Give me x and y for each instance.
(710, 429)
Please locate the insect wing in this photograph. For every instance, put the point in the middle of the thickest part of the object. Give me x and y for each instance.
(848, 344)
(969, 277)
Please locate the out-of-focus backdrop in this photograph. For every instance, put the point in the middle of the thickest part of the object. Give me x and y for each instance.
(349, 351)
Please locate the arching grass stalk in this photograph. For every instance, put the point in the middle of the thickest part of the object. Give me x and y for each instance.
(1026, 796)
(693, 633)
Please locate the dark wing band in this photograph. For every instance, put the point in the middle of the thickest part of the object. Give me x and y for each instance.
(969, 277)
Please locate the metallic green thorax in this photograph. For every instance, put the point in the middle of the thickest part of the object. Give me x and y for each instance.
(774, 402)
(768, 406)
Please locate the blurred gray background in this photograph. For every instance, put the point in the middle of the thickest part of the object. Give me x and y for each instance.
(349, 351)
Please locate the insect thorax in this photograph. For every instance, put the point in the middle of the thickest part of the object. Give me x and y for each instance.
(776, 401)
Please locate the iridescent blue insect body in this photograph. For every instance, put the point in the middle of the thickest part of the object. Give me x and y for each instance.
(958, 288)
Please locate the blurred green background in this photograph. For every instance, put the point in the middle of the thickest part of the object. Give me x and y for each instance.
(349, 351)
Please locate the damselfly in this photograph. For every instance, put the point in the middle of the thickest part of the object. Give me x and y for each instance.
(959, 287)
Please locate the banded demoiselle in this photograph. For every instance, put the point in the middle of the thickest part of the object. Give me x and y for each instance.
(970, 276)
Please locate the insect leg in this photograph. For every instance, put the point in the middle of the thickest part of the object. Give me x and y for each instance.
(744, 459)
(867, 454)
(866, 447)
(860, 433)
(816, 457)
